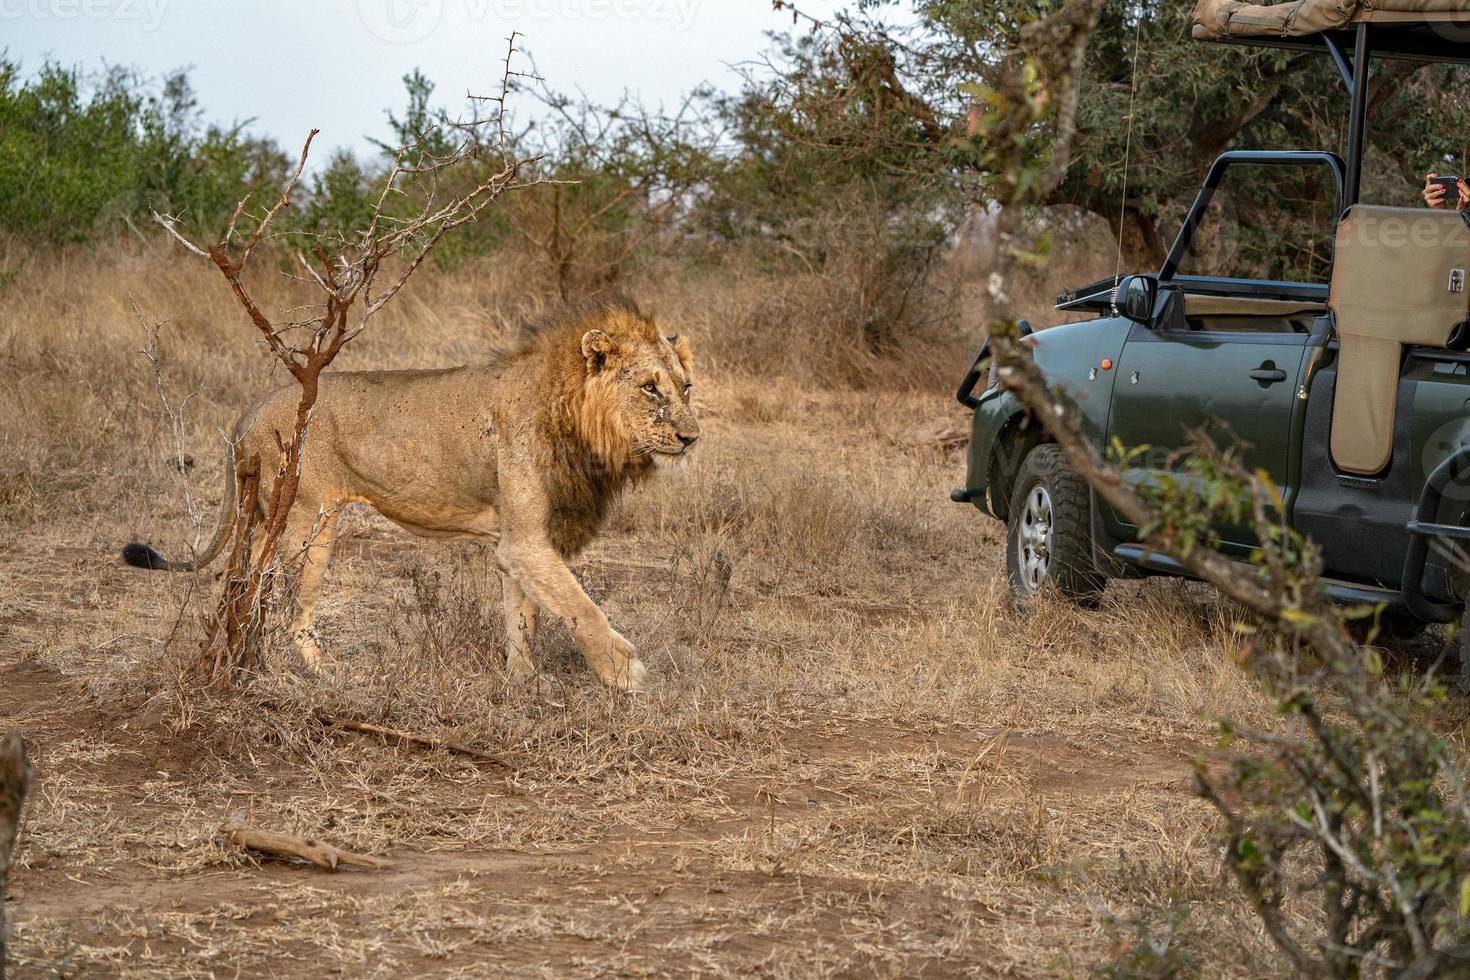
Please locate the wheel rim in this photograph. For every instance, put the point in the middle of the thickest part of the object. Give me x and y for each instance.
(1035, 538)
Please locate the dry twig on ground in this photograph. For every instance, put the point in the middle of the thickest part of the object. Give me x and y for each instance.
(291, 846)
(348, 724)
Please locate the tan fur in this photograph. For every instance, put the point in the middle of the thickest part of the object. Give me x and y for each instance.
(528, 451)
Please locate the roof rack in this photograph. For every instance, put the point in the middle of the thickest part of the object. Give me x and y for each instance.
(1420, 42)
(1422, 30)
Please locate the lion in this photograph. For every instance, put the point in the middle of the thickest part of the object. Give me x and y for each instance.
(528, 452)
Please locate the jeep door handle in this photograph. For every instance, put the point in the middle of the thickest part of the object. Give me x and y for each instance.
(1268, 375)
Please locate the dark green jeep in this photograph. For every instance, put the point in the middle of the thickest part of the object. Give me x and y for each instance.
(1335, 350)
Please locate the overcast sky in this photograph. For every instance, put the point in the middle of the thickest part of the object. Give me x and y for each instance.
(337, 64)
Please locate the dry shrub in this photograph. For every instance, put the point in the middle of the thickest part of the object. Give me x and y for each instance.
(796, 529)
(703, 569)
(451, 619)
(18, 493)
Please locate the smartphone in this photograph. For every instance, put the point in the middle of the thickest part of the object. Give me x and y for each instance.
(1451, 185)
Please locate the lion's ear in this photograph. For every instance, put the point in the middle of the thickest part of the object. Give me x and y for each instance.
(597, 347)
(681, 349)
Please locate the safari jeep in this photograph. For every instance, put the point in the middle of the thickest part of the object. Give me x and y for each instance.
(1337, 349)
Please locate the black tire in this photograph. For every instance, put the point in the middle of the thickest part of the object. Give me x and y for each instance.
(1393, 627)
(1049, 531)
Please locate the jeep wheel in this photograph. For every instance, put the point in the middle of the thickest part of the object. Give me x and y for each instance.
(1049, 534)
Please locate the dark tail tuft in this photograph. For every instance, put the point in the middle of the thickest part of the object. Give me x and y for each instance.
(142, 556)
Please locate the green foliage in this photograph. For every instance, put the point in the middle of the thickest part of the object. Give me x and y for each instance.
(1146, 946)
(420, 125)
(423, 134)
(1217, 97)
(1368, 804)
(855, 136)
(342, 198)
(835, 171)
(832, 121)
(79, 158)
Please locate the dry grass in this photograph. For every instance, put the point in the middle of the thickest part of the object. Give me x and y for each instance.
(856, 757)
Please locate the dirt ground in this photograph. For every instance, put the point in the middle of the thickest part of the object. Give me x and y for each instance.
(856, 758)
(822, 843)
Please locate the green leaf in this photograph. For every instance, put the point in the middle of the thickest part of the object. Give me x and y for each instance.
(1297, 617)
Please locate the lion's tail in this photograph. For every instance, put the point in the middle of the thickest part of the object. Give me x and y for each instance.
(141, 556)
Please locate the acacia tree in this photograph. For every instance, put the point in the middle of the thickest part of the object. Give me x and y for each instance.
(350, 275)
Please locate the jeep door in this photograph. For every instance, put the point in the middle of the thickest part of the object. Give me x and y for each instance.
(1242, 371)
(1242, 301)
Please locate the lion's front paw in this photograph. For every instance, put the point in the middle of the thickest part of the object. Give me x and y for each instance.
(623, 670)
(637, 676)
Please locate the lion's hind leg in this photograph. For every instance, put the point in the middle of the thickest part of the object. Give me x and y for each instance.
(309, 536)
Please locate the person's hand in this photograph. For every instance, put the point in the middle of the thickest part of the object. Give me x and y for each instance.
(1434, 193)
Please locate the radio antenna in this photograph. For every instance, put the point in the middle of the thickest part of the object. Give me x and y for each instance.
(1127, 153)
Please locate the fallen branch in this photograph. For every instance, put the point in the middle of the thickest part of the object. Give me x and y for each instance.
(289, 845)
(15, 781)
(348, 724)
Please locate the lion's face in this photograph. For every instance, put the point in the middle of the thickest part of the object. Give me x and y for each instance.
(645, 383)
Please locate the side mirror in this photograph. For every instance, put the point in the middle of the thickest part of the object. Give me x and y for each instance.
(1137, 297)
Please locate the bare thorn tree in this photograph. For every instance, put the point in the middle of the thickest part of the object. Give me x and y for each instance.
(352, 275)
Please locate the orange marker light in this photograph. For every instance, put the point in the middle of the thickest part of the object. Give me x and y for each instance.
(1107, 364)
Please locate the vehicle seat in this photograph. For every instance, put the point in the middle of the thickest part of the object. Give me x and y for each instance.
(1398, 278)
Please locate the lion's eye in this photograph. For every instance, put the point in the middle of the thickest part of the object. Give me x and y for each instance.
(651, 389)
(687, 390)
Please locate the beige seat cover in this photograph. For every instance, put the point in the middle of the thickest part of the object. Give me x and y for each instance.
(1393, 282)
(1214, 19)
